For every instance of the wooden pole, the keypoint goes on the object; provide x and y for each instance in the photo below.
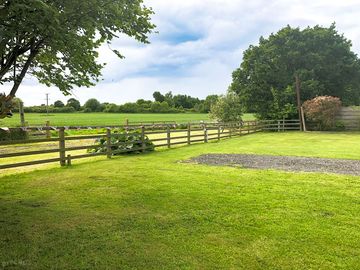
(22, 114)
(189, 134)
(303, 118)
(108, 143)
(69, 160)
(62, 146)
(219, 130)
(143, 144)
(168, 136)
(205, 134)
(48, 134)
(298, 99)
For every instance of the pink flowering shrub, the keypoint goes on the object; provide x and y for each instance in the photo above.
(322, 111)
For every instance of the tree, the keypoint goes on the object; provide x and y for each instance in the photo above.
(57, 41)
(158, 96)
(169, 98)
(209, 101)
(184, 101)
(92, 105)
(228, 108)
(59, 104)
(74, 103)
(320, 57)
(111, 108)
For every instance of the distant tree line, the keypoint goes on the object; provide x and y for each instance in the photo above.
(162, 103)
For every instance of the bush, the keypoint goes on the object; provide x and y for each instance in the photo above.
(51, 109)
(322, 110)
(14, 134)
(227, 108)
(129, 142)
(339, 126)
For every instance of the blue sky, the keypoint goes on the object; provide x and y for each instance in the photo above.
(199, 44)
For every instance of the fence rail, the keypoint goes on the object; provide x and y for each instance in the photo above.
(66, 148)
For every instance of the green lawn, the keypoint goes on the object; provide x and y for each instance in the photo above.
(102, 119)
(153, 212)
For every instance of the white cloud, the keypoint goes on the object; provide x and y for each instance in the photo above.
(199, 44)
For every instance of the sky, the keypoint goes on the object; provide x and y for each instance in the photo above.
(198, 45)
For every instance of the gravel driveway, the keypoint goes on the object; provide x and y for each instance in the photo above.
(286, 163)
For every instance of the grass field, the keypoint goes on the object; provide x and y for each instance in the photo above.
(153, 212)
(102, 119)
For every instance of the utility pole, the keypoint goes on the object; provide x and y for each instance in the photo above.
(22, 115)
(298, 99)
(47, 104)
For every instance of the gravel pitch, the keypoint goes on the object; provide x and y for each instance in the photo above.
(293, 164)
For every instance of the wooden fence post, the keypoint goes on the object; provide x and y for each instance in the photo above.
(230, 130)
(189, 134)
(48, 133)
(283, 125)
(205, 134)
(168, 136)
(219, 130)
(143, 144)
(248, 126)
(62, 146)
(108, 143)
(69, 160)
(278, 125)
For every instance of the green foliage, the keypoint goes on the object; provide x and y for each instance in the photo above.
(158, 96)
(16, 104)
(339, 126)
(228, 108)
(92, 105)
(130, 142)
(13, 134)
(321, 57)
(74, 103)
(59, 104)
(50, 109)
(58, 41)
(323, 110)
(208, 102)
(111, 108)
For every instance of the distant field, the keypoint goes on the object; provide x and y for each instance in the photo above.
(102, 119)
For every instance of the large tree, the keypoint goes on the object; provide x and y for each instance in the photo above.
(319, 56)
(57, 41)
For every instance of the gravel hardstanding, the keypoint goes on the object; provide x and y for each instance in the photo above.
(286, 163)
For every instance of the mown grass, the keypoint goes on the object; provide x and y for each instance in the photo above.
(102, 119)
(154, 212)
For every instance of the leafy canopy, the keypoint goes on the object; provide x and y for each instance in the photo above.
(321, 57)
(57, 40)
(227, 108)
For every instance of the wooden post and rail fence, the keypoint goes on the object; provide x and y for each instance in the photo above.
(64, 149)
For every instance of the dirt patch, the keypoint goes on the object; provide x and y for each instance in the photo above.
(286, 163)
